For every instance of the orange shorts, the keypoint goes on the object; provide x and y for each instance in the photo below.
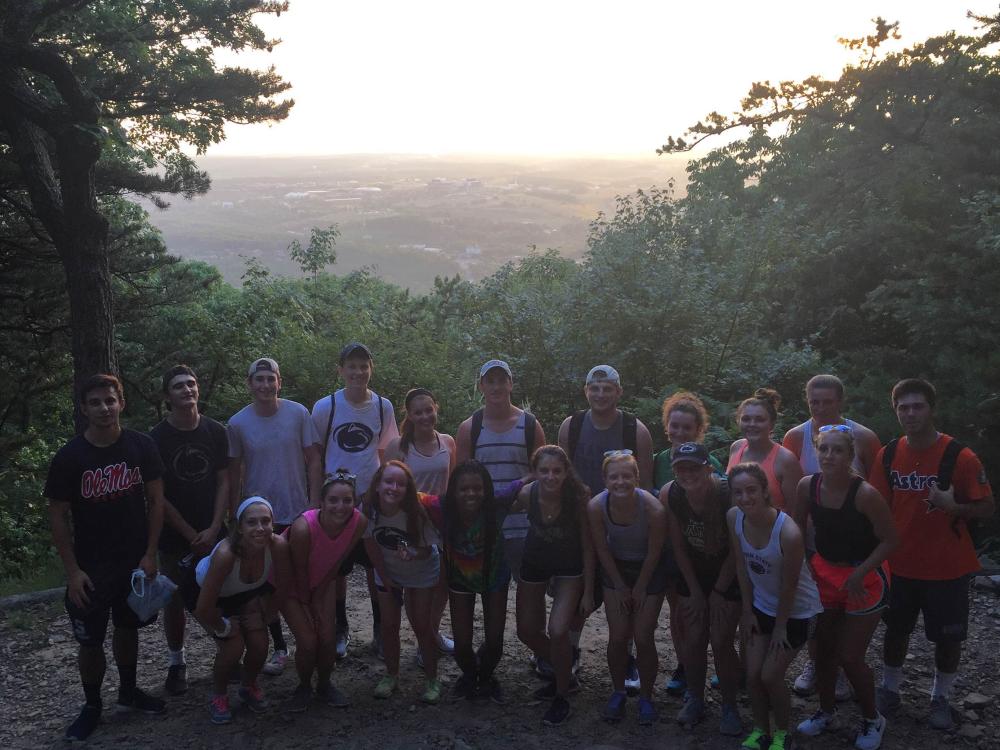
(830, 581)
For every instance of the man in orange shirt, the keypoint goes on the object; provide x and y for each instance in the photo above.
(933, 490)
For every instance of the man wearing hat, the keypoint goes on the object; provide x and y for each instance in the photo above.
(273, 453)
(354, 425)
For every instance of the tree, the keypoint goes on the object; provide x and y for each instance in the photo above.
(98, 97)
(319, 253)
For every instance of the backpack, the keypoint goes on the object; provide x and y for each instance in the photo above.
(529, 432)
(946, 470)
(629, 429)
(329, 423)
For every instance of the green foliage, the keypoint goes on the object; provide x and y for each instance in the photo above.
(319, 253)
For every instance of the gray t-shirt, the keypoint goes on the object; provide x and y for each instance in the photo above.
(591, 447)
(356, 435)
(271, 449)
(388, 532)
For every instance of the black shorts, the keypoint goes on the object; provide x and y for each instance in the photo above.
(108, 599)
(540, 572)
(798, 631)
(630, 570)
(233, 606)
(944, 605)
(707, 584)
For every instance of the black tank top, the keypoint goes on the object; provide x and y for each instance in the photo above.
(556, 544)
(706, 536)
(843, 535)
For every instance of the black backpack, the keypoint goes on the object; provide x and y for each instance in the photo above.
(629, 430)
(529, 432)
(329, 423)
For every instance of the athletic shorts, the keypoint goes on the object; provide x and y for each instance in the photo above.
(501, 583)
(630, 569)
(706, 582)
(108, 599)
(830, 579)
(798, 631)
(944, 604)
(537, 572)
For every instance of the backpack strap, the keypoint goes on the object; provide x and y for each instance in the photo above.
(888, 454)
(575, 428)
(329, 428)
(529, 433)
(630, 430)
(381, 416)
(475, 430)
(946, 469)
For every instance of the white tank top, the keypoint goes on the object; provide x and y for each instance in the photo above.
(429, 472)
(232, 584)
(764, 567)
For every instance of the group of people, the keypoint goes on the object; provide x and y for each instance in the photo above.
(805, 543)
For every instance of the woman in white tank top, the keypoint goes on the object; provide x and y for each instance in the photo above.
(430, 455)
(780, 599)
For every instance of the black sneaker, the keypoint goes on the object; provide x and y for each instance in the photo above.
(464, 687)
(84, 725)
(142, 702)
(549, 691)
(331, 695)
(176, 683)
(558, 712)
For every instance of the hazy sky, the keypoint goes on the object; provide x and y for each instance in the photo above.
(546, 76)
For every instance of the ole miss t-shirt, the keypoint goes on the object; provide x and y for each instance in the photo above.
(106, 490)
(932, 545)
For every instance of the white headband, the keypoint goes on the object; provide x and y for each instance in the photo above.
(250, 501)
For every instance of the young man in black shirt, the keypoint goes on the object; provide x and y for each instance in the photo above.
(109, 480)
(194, 450)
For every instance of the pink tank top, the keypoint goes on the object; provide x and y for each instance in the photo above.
(777, 496)
(325, 552)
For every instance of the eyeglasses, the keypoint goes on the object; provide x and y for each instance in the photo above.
(835, 428)
(617, 453)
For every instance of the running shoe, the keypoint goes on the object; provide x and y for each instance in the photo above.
(176, 683)
(432, 692)
(219, 708)
(277, 663)
(843, 691)
(692, 712)
(343, 640)
(714, 682)
(558, 712)
(445, 644)
(253, 698)
(386, 686)
(870, 734)
(818, 723)
(631, 676)
(730, 723)
(85, 724)
(142, 702)
(887, 701)
(781, 740)
(805, 683)
(331, 695)
(941, 716)
(677, 683)
(615, 710)
(464, 687)
(300, 699)
(647, 713)
(549, 691)
(756, 740)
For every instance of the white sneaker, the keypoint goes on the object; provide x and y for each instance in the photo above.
(843, 691)
(870, 735)
(805, 683)
(818, 723)
(277, 663)
(445, 644)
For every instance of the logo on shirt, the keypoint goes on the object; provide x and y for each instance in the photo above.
(757, 564)
(389, 537)
(108, 482)
(353, 437)
(190, 463)
(914, 482)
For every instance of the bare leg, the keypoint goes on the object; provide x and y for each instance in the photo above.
(644, 631)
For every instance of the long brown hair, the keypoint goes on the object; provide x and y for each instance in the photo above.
(406, 428)
(573, 487)
(416, 516)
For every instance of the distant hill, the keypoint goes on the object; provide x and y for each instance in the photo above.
(409, 217)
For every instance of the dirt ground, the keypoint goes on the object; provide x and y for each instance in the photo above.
(40, 694)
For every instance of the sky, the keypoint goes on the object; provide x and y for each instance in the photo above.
(545, 77)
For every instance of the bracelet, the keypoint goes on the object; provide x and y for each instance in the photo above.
(227, 629)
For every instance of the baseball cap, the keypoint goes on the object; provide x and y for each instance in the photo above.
(355, 347)
(494, 363)
(604, 372)
(693, 452)
(264, 364)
